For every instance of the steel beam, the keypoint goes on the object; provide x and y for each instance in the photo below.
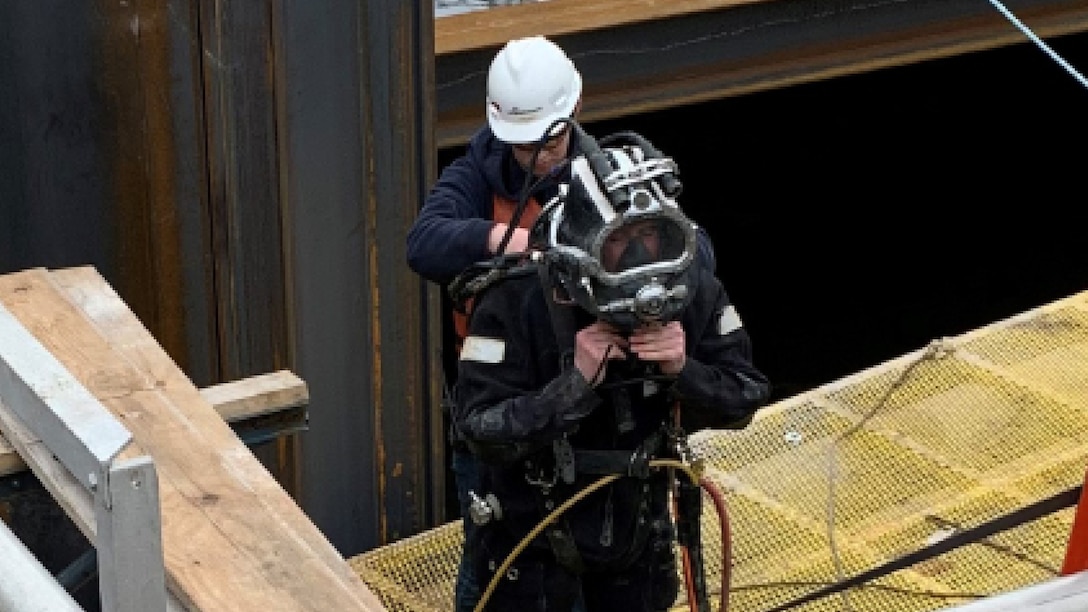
(130, 554)
(638, 66)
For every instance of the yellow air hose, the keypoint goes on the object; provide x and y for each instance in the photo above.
(554, 514)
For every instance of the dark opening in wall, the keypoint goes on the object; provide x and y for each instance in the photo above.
(857, 219)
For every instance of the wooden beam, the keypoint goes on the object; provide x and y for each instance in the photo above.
(234, 401)
(650, 58)
(493, 27)
(232, 537)
(257, 395)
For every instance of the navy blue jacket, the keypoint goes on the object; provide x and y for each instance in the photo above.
(450, 233)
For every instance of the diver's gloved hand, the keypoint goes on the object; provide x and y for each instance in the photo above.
(594, 345)
(661, 344)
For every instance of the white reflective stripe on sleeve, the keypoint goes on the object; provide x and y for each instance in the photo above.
(730, 320)
(484, 350)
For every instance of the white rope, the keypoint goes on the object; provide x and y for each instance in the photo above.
(1038, 41)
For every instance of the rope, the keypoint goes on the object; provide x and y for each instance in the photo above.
(1039, 42)
(936, 350)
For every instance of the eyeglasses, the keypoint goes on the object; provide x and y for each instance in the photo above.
(550, 145)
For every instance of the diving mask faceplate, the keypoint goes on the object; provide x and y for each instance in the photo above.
(620, 244)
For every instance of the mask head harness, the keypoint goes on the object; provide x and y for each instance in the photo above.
(614, 237)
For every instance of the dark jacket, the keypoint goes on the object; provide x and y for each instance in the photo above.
(514, 399)
(450, 233)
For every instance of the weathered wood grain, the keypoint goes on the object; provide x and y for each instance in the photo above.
(232, 537)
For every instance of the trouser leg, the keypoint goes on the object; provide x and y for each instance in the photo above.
(466, 591)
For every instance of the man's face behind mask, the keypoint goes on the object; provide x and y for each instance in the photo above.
(618, 243)
(631, 246)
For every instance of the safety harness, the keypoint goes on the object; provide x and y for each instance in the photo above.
(554, 474)
(547, 470)
(463, 290)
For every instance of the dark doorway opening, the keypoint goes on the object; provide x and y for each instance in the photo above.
(857, 219)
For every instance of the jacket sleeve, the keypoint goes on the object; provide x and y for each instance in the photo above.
(720, 386)
(451, 230)
(705, 249)
(509, 399)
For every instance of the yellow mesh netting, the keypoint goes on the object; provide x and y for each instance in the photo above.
(860, 472)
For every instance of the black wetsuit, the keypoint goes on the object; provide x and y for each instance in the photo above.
(525, 414)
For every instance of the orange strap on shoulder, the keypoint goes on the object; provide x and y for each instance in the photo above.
(502, 211)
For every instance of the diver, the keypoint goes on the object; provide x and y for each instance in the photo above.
(590, 361)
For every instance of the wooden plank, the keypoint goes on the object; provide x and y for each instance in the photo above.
(125, 332)
(100, 302)
(10, 462)
(257, 395)
(88, 290)
(221, 556)
(73, 498)
(495, 26)
(234, 401)
(232, 538)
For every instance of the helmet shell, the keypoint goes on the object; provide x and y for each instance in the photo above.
(531, 84)
(591, 211)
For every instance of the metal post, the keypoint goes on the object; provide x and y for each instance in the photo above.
(130, 561)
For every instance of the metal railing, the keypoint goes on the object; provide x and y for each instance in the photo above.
(43, 405)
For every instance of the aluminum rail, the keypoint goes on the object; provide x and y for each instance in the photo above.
(86, 438)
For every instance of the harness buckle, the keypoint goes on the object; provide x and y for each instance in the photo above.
(482, 510)
(639, 465)
(564, 460)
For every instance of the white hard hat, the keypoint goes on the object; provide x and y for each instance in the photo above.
(530, 84)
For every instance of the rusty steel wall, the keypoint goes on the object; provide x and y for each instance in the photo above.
(355, 160)
(244, 175)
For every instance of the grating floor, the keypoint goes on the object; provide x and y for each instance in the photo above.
(847, 477)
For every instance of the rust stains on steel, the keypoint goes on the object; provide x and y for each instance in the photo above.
(381, 454)
(133, 48)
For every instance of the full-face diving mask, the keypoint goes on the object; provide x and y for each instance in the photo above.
(615, 237)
